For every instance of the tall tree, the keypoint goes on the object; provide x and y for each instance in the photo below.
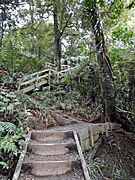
(57, 37)
(31, 9)
(8, 16)
(108, 99)
(8, 19)
(61, 12)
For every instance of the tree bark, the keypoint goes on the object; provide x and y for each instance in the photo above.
(131, 79)
(2, 14)
(1, 35)
(31, 3)
(109, 109)
(57, 36)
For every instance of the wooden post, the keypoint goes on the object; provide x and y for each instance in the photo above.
(106, 129)
(91, 137)
(49, 80)
(19, 86)
(110, 127)
(58, 76)
(37, 77)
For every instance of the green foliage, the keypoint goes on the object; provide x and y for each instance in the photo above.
(9, 101)
(85, 79)
(119, 173)
(94, 168)
(16, 53)
(123, 34)
(27, 48)
(90, 3)
(10, 137)
(62, 106)
(7, 127)
(131, 5)
(122, 63)
(11, 128)
(9, 55)
(10, 107)
(4, 165)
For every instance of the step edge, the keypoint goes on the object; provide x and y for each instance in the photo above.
(51, 144)
(45, 162)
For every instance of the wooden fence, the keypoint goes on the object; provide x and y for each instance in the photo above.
(89, 135)
(44, 77)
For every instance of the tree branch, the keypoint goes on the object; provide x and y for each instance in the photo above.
(66, 25)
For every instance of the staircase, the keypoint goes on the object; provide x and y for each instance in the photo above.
(56, 154)
(51, 155)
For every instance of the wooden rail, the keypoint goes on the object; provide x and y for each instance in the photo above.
(54, 67)
(35, 80)
(89, 135)
(44, 77)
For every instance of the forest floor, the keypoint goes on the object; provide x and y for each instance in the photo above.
(115, 158)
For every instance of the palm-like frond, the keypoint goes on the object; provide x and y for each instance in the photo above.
(7, 127)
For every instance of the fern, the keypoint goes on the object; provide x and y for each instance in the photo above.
(7, 127)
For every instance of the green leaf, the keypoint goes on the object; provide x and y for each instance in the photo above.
(10, 107)
(7, 127)
(4, 165)
(62, 106)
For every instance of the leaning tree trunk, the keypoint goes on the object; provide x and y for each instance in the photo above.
(57, 36)
(104, 63)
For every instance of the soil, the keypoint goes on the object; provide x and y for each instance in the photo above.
(115, 158)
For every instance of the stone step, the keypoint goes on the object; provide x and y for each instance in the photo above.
(51, 149)
(50, 135)
(68, 140)
(47, 168)
(75, 174)
(72, 156)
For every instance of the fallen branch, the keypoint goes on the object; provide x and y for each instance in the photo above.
(123, 111)
(124, 121)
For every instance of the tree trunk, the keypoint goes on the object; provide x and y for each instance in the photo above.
(1, 29)
(39, 53)
(1, 36)
(131, 79)
(57, 36)
(109, 109)
(31, 3)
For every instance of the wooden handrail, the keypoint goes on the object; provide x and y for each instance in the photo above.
(32, 80)
(36, 78)
(39, 72)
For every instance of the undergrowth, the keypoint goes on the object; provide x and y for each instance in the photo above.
(12, 130)
(114, 159)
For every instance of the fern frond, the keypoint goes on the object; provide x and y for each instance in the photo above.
(7, 127)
